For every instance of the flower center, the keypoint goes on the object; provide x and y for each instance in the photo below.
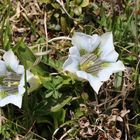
(90, 63)
(9, 84)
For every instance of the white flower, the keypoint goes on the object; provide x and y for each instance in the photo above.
(93, 58)
(12, 80)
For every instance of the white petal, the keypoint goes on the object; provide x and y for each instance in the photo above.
(29, 75)
(106, 46)
(71, 65)
(105, 73)
(11, 60)
(13, 99)
(3, 69)
(34, 82)
(86, 42)
(94, 81)
(22, 81)
(20, 69)
(74, 53)
(21, 90)
(95, 41)
(112, 57)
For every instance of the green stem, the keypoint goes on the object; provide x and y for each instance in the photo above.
(26, 103)
(55, 122)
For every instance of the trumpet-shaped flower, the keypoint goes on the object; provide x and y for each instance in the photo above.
(12, 80)
(93, 58)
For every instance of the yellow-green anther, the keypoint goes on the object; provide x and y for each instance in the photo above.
(3, 94)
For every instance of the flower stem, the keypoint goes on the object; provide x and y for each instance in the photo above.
(26, 103)
(96, 98)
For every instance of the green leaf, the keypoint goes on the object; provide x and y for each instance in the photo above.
(56, 64)
(7, 33)
(63, 24)
(28, 59)
(118, 80)
(84, 3)
(57, 94)
(54, 83)
(47, 83)
(62, 104)
(78, 2)
(59, 116)
(78, 113)
(49, 94)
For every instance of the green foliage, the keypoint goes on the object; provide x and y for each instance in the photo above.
(54, 110)
(7, 131)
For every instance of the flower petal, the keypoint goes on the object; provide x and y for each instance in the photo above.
(70, 65)
(94, 81)
(21, 90)
(106, 46)
(112, 57)
(20, 69)
(11, 60)
(3, 69)
(86, 42)
(34, 82)
(74, 53)
(13, 99)
(105, 73)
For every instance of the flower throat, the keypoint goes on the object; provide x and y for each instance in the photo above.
(9, 84)
(90, 63)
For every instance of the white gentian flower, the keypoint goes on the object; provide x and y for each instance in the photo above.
(12, 80)
(93, 58)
